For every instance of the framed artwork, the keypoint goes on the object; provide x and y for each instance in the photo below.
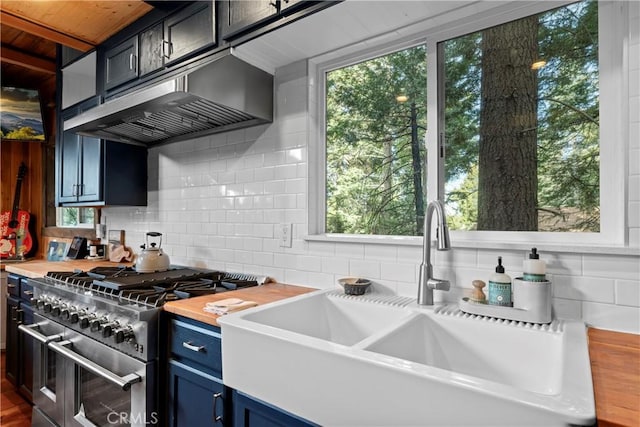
(21, 115)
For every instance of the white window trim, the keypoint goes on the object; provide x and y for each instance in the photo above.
(614, 119)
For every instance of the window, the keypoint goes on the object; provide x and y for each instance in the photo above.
(521, 124)
(75, 217)
(375, 117)
(570, 107)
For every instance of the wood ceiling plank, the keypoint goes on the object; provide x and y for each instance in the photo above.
(44, 32)
(16, 57)
(90, 21)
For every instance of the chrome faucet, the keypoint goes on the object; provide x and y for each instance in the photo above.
(427, 283)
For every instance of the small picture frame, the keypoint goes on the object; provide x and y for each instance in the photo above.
(56, 251)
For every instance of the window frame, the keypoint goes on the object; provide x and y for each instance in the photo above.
(614, 119)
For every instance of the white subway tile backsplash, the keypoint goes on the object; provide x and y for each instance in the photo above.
(380, 252)
(399, 272)
(309, 263)
(335, 265)
(361, 268)
(584, 288)
(567, 309)
(628, 292)
(611, 266)
(610, 316)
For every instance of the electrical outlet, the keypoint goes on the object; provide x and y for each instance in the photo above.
(285, 232)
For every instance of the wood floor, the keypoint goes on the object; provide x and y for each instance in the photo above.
(14, 410)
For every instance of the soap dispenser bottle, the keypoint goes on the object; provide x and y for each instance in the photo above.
(500, 287)
(534, 268)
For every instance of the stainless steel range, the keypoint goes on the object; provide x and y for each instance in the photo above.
(97, 347)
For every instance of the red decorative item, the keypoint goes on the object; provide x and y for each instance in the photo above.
(16, 241)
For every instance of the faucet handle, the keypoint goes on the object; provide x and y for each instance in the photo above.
(439, 284)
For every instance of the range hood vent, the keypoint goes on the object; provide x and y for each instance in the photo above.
(223, 94)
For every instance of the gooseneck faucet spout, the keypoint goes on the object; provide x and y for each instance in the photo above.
(427, 283)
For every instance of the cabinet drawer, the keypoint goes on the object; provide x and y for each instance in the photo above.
(197, 344)
(13, 285)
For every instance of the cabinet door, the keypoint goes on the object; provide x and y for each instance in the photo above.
(121, 63)
(250, 412)
(196, 398)
(79, 80)
(244, 15)
(14, 316)
(69, 158)
(189, 30)
(90, 170)
(25, 378)
(151, 49)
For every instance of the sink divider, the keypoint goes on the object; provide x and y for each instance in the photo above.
(384, 332)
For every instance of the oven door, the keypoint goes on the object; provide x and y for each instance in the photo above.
(48, 368)
(104, 386)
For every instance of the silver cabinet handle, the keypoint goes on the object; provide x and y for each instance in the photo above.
(31, 331)
(132, 62)
(216, 417)
(167, 52)
(198, 349)
(28, 293)
(124, 382)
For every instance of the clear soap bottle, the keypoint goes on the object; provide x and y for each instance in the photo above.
(533, 268)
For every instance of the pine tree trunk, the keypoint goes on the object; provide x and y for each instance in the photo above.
(507, 197)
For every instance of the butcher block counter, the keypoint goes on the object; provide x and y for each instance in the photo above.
(615, 368)
(264, 294)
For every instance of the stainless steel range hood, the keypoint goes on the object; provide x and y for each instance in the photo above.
(223, 94)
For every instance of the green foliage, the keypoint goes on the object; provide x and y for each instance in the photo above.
(24, 133)
(369, 171)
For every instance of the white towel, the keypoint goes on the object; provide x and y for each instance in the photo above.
(228, 305)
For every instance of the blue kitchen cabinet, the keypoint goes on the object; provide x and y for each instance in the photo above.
(19, 359)
(197, 396)
(251, 412)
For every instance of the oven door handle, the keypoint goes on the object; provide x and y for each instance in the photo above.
(44, 339)
(124, 382)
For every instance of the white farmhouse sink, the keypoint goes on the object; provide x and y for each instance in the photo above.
(360, 361)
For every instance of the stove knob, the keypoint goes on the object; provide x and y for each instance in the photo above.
(47, 307)
(96, 324)
(107, 330)
(73, 318)
(84, 322)
(123, 334)
(68, 313)
(55, 310)
(40, 304)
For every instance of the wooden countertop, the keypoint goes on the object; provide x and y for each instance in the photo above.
(615, 368)
(38, 268)
(270, 292)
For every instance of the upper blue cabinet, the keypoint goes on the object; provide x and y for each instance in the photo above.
(183, 33)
